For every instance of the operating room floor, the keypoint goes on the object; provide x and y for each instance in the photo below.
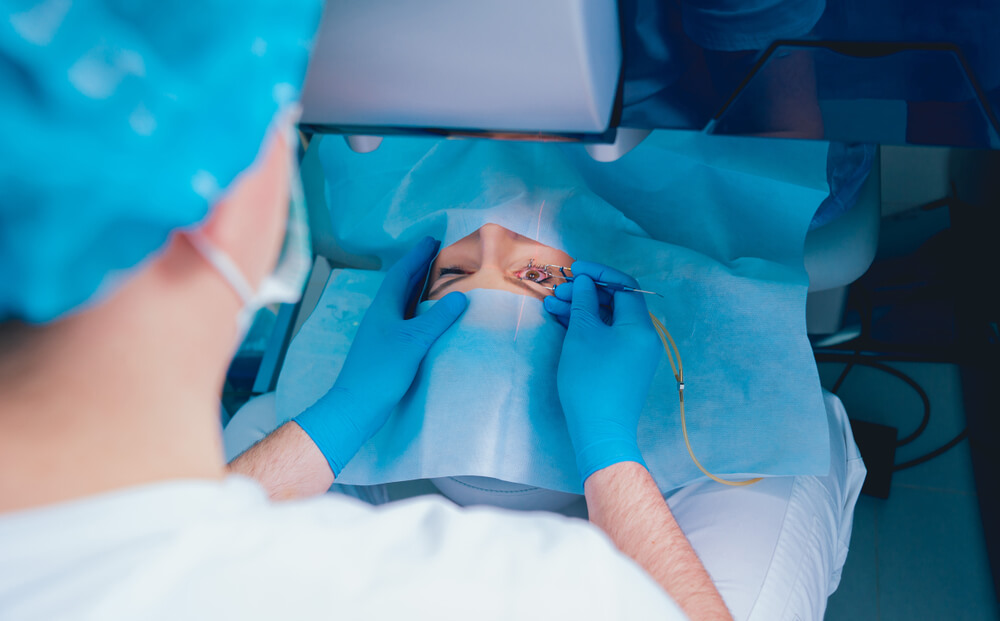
(920, 554)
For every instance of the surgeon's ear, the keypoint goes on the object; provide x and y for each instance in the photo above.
(248, 223)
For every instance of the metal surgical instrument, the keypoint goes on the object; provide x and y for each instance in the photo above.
(607, 285)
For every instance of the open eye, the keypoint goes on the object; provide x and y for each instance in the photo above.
(533, 273)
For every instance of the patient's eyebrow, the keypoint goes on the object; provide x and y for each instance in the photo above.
(445, 285)
(517, 282)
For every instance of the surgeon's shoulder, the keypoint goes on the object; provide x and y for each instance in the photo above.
(457, 562)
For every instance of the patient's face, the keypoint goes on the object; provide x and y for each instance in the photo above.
(493, 258)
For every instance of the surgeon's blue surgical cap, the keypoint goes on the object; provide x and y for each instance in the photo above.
(123, 120)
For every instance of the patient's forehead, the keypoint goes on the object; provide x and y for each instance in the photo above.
(496, 232)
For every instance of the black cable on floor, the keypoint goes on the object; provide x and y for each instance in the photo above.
(935, 453)
(843, 376)
(858, 360)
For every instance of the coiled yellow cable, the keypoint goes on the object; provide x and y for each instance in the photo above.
(678, 369)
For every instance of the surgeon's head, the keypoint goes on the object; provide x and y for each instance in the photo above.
(136, 145)
(118, 132)
(153, 147)
(494, 257)
(176, 290)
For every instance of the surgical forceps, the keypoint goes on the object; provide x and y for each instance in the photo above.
(544, 269)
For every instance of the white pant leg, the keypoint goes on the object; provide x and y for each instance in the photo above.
(257, 418)
(775, 549)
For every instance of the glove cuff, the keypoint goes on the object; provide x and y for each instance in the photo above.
(328, 423)
(603, 453)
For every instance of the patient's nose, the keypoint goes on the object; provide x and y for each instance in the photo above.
(496, 242)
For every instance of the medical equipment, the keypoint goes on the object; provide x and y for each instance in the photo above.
(534, 273)
(608, 72)
(512, 68)
(677, 366)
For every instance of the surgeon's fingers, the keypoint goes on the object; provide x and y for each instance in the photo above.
(584, 300)
(603, 273)
(426, 328)
(565, 292)
(630, 309)
(406, 274)
(559, 308)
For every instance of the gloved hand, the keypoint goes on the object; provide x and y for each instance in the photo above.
(382, 361)
(560, 305)
(605, 369)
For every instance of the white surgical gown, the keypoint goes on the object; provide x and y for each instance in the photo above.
(221, 550)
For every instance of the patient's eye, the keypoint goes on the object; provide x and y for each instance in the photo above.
(533, 273)
(446, 271)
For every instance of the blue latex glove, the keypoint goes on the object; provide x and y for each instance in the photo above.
(382, 361)
(561, 304)
(605, 369)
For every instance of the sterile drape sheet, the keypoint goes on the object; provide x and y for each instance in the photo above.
(716, 225)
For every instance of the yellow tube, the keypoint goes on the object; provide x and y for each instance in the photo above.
(678, 369)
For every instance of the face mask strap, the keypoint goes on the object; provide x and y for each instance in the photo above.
(284, 284)
(224, 265)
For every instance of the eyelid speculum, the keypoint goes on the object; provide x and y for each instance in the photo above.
(562, 270)
(541, 273)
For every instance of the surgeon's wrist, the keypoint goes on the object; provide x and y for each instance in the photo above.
(599, 454)
(331, 427)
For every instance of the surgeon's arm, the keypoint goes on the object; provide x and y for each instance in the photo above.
(605, 372)
(305, 456)
(287, 464)
(625, 502)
